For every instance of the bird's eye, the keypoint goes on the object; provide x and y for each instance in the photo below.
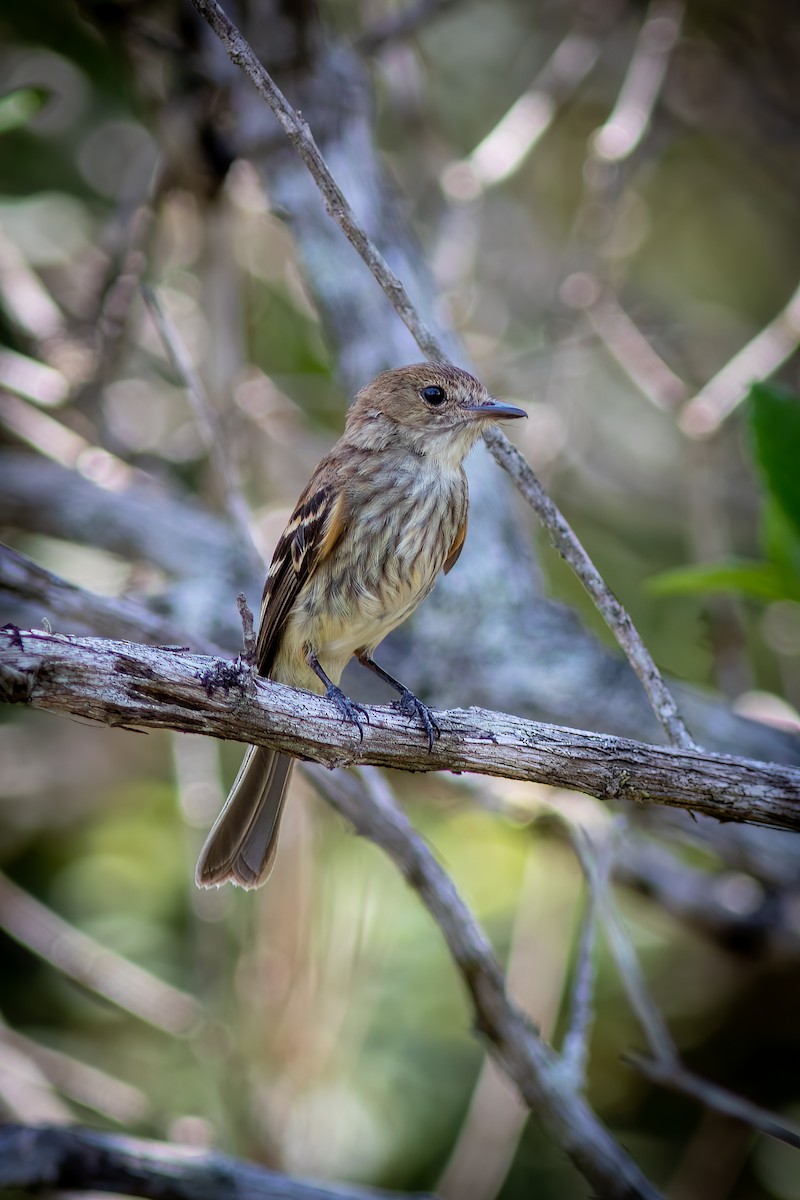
(433, 396)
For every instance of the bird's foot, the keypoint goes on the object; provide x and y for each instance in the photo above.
(350, 709)
(414, 708)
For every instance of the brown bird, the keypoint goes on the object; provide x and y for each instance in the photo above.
(384, 512)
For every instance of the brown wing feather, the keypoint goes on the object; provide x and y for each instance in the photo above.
(313, 530)
(456, 547)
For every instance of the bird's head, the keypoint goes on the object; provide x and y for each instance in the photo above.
(430, 408)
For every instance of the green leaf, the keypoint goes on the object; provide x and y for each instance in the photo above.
(775, 427)
(779, 540)
(19, 107)
(742, 577)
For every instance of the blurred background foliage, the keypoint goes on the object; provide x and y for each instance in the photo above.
(318, 1025)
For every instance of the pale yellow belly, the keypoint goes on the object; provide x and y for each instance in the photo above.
(336, 632)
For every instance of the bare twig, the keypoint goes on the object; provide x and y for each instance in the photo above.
(664, 1066)
(46, 386)
(122, 683)
(626, 343)
(507, 146)
(25, 1091)
(676, 1078)
(248, 629)
(61, 444)
(85, 1084)
(25, 298)
(48, 1157)
(513, 1042)
(575, 1046)
(505, 454)
(615, 615)
(127, 265)
(299, 134)
(79, 956)
(628, 122)
(759, 359)
(650, 1019)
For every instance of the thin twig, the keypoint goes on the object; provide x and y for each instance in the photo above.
(628, 121)
(648, 1015)
(615, 615)
(79, 956)
(508, 145)
(206, 418)
(25, 299)
(664, 1066)
(61, 444)
(25, 1091)
(301, 137)
(34, 380)
(676, 1078)
(248, 629)
(504, 452)
(759, 359)
(83, 1083)
(575, 1046)
(629, 347)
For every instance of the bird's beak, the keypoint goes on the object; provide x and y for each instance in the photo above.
(495, 410)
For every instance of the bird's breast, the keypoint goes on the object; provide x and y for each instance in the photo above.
(399, 534)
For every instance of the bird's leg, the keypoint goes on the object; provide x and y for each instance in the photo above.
(408, 702)
(350, 710)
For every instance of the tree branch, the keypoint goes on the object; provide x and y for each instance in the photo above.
(78, 956)
(199, 553)
(513, 1042)
(556, 672)
(33, 586)
(664, 1066)
(123, 683)
(86, 1160)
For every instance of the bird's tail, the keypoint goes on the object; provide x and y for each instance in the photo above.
(242, 844)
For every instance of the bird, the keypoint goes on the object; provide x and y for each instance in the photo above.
(384, 512)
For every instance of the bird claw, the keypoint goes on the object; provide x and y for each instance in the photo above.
(414, 708)
(351, 710)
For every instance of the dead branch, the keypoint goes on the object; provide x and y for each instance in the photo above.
(123, 683)
(47, 1157)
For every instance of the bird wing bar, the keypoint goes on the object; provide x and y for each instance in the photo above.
(314, 528)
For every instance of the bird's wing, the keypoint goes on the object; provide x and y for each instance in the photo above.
(456, 547)
(314, 528)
